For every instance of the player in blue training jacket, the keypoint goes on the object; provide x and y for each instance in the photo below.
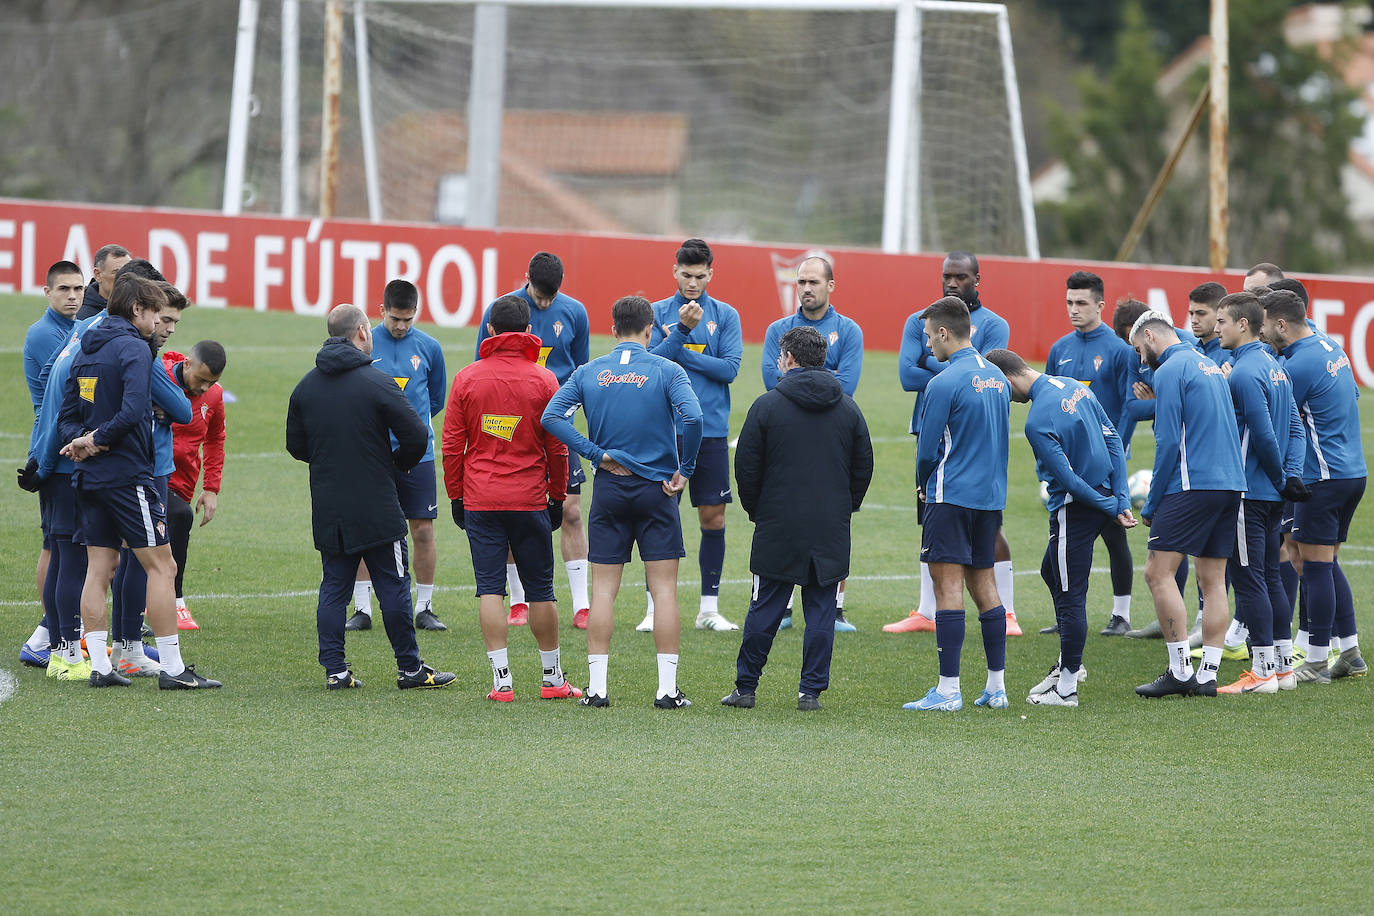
(1334, 470)
(1272, 445)
(560, 323)
(634, 402)
(1093, 355)
(415, 361)
(844, 356)
(961, 474)
(702, 335)
(1079, 455)
(916, 366)
(1203, 302)
(107, 417)
(1140, 395)
(1194, 499)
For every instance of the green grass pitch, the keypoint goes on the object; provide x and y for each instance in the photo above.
(275, 795)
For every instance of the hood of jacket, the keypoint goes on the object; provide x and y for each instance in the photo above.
(110, 329)
(511, 343)
(340, 355)
(814, 388)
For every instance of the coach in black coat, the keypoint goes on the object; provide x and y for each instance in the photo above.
(802, 466)
(340, 420)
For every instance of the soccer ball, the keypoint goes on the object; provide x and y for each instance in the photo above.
(1138, 485)
(1045, 494)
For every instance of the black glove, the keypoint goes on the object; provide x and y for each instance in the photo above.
(458, 518)
(555, 514)
(1294, 490)
(28, 477)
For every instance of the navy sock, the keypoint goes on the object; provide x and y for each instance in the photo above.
(1181, 577)
(711, 559)
(1321, 600)
(1303, 622)
(50, 593)
(949, 640)
(994, 626)
(1344, 622)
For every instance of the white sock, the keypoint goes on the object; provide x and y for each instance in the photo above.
(181, 603)
(1236, 633)
(1263, 661)
(948, 686)
(95, 644)
(1301, 641)
(1068, 682)
(596, 674)
(709, 605)
(1283, 650)
(1316, 655)
(648, 604)
(1180, 661)
(553, 667)
(424, 597)
(71, 651)
(169, 654)
(517, 588)
(839, 596)
(927, 607)
(1347, 642)
(362, 601)
(500, 669)
(1121, 607)
(39, 639)
(1211, 664)
(133, 650)
(1002, 575)
(996, 680)
(577, 583)
(667, 674)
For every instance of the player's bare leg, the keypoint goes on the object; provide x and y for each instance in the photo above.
(572, 543)
(600, 624)
(661, 576)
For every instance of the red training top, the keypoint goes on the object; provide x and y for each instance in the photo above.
(206, 428)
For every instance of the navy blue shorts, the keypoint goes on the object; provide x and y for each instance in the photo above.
(630, 510)
(61, 505)
(527, 535)
(133, 514)
(1325, 518)
(953, 534)
(1286, 517)
(709, 484)
(417, 491)
(576, 475)
(1196, 523)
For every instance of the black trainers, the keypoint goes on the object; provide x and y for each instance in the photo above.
(113, 679)
(359, 621)
(676, 701)
(1117, 626)
(1052, 628)
(426, 620)
(425, 677)
(808, 702)
(186, 680)
(1167, 685)
(592, 699)
(343, 681)
(740, 699)
(1204, 688)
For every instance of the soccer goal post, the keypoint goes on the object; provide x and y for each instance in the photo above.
(869, 122)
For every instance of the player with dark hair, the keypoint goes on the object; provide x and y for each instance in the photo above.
(634, 402)
(415, 361)
(560, 323)
(702, 334)
(1334, 469)
(1194, 498)
(507, 478)
(961, 474)
(109, 260)
(1080, 457)
(1202, 319)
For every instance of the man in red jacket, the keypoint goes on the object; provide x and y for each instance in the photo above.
(198, 375)
(507, 479)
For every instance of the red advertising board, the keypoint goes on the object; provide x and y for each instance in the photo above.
(308, 266)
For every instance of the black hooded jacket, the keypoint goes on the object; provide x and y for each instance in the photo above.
(339, 421)
(802, 466)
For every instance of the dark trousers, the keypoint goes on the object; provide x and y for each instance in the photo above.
(1118, 553)
(1066, 567)
(390, 580)
(766, 610)
(180, 519)
(1254, 572)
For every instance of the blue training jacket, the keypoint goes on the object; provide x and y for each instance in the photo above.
(1197, 445)
(1271, 438)
(634, 402)
(844, 347)
(416, 364)
(710, 353)
(1077, 451)
(108, 392)
(961, 455)
(43, 339)
(562, 327)
(1100, 360)
(917, 365)
(1327, 399)
(1135, 409)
